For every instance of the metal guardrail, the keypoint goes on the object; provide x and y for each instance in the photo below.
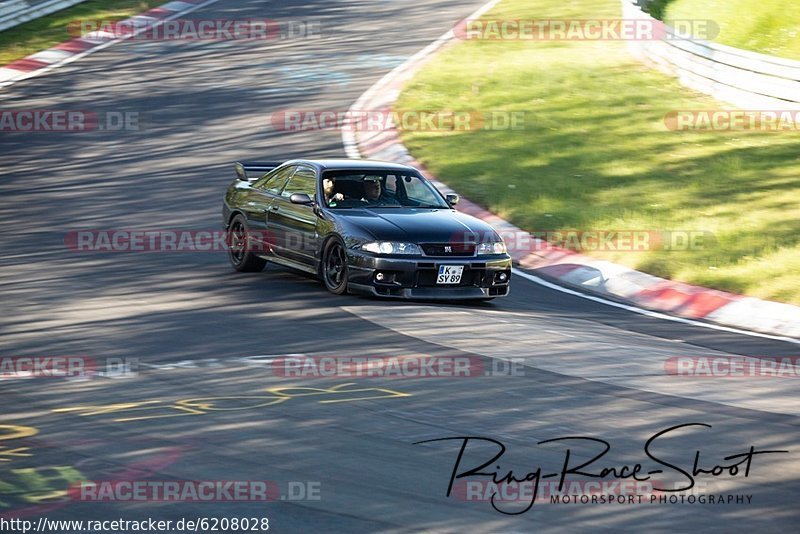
(746, 79)
(15, 12)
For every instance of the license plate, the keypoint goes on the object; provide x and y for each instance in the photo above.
(450, 274)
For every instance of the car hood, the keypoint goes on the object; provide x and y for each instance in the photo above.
(418, 225)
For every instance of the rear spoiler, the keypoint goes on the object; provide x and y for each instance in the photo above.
(247, 171)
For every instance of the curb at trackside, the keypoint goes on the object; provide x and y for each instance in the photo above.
(597, 280)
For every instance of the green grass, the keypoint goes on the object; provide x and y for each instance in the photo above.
(42, 33)
(766, 26)
(595, 154)
(657, 7)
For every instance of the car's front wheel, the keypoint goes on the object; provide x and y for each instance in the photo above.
(240, 249)
(334, 267)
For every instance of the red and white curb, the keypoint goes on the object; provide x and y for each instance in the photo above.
(74, 49)
(629, 289)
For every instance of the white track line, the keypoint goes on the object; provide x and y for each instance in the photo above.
(649, 313)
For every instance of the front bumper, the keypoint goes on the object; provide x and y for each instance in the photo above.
(415, 277)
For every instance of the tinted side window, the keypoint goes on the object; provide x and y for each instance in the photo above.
(303, 181)
(273, 181)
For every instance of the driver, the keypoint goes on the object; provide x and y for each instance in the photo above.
(374, 194)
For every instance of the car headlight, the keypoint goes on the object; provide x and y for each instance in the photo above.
(390, 247)
(498, 247)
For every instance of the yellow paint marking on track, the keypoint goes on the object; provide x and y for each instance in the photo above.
(32, 485)
(90, 410)
(19, 452)
(337, 390)
(208, 403)
(39, 485)
(203, 405)
(16, 432)
(95, 409)
(8, 432)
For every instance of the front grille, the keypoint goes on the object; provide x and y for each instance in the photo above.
(449, 249)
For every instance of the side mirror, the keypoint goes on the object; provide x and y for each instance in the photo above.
(241, 174)
(452, 199)
(300, 198)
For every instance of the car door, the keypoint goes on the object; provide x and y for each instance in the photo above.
(294, 226)
(258, 201)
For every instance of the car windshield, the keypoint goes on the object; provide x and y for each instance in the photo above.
(379, 189)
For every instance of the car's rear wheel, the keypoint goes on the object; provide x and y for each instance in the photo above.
(334, 267)
(240, 250)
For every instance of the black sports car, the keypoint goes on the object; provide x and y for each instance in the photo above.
(362, 226)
